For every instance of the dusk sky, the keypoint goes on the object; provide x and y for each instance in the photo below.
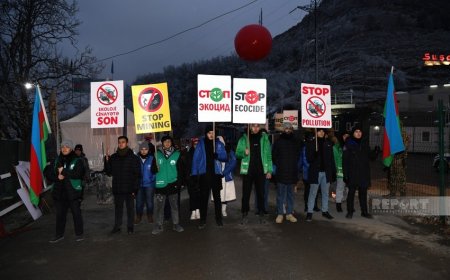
(116, 26)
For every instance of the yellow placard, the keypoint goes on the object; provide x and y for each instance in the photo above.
(151, 108)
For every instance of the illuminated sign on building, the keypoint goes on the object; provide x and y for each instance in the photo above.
(432, 59)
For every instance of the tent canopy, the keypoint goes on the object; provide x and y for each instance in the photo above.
(97, 141)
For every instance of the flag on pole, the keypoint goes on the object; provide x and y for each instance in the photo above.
(38, 158)
(392, 138)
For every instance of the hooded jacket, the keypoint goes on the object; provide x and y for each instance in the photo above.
(199, 158)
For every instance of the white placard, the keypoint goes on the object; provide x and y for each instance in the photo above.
(214, 98)
(107, 104)
(249, 100)
(316, 105)
(291, 116)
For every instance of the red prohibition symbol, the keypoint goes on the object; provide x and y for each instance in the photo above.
(107, 94)
(315, 107)
(151, 99)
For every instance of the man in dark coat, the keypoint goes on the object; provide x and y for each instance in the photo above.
(125, 168)
(285, 155)
(319, 154)
(356, 167)
(66, 174)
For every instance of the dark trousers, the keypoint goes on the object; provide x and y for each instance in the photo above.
(194, 197)
(119, 199)
(61, 214)
(247, 184)
(306, 195)
(362, 194)
(207, 185)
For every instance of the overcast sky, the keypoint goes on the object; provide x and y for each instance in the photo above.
(117, 26)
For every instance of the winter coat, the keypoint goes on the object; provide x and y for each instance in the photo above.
(70, 187)
(356, 165)
(148, 178)
(314, 161)
(285, 156)
(303, 164)
(126, 172)
(266, 153)
(199, 159)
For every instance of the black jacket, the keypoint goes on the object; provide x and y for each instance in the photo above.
(314, 159)
(63, 189)
(285, 155)
(126, 172)
(355, 163)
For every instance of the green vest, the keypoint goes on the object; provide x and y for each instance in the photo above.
(76, 183)
(337, 152)
(167, 172)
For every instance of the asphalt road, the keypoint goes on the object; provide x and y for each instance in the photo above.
(322, 249)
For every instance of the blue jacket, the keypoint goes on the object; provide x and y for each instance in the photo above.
(199, 159)
(229, 167)
(148, 178)
(303, 163)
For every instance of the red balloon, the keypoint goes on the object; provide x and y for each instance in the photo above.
(253, 42)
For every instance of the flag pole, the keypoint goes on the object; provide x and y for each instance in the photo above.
(392, 69)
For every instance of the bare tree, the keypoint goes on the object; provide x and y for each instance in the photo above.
(33, 35)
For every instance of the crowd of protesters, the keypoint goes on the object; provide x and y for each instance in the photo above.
(153, 178)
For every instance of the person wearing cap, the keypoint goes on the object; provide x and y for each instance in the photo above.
(319, 154)
(125, 168)
(193, 184)
(206, 164)
(356, 168)
(144, 197)
(285, 155)
(86, 176)
(169, 169)
(66, 174)
(256, 166)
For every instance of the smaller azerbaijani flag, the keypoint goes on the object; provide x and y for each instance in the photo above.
(38, 159)
(392, 136)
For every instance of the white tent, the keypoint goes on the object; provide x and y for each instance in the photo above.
(97, 141)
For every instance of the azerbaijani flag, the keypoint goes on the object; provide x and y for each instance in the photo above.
(38, 158)
(392, 138)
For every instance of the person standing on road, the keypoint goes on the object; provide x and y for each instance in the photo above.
(285, 155)
(169, 179)
(256, 166)
(147, 187)
(66, 174)
(207, 166)
(193, 184)
(319, 154)
(228, 192)
(125, 168)
(356, 169)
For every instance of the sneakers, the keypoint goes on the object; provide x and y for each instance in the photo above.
(327, 215)
(224, 210)
(157, 230)
(339, 207)
(349, 215)
(197, 214)
(202, 225)
(130, 230)
(279, 219)
(244, 219)
(366, 215)
(193, 216)
(291, 218)
(115, 230)
(178, 228)
(79, 238)
(219, 223)
(309, 217)
(56, 239)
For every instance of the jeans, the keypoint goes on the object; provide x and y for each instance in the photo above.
(119, 199)
(324, 188)
(340, 186)
(285, 195)
(160, 201)
(145, 198)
